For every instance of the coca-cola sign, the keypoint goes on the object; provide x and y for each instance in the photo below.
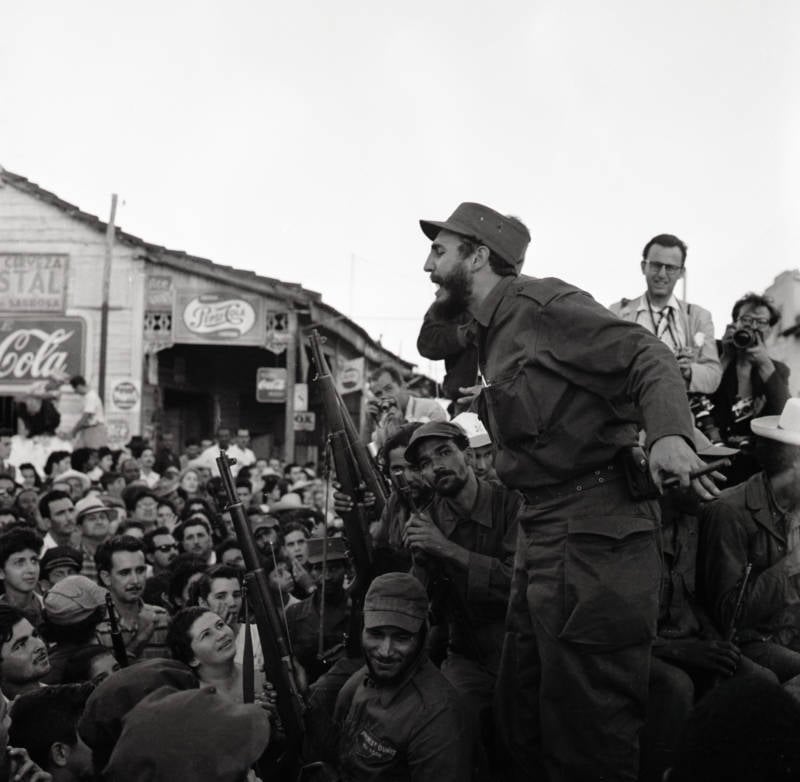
(210, 318)
(34, 348)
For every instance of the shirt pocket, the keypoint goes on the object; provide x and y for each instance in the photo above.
(509, 409)
(612, 570)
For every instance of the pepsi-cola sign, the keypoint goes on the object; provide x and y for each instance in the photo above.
(210, 318)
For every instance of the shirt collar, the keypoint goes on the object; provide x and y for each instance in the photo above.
(487, 307)
(673, 304)
(481, 513)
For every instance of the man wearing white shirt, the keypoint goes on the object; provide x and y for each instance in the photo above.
(58, 511)
(686, 329)
(208, 458)
(90, 431)
(240, 450)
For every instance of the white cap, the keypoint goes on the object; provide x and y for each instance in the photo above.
(475, 430)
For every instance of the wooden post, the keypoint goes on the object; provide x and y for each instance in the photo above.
(291, 371)
(109, 251)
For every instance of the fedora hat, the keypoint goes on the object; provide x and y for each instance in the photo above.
(785, 428)
(506, 237)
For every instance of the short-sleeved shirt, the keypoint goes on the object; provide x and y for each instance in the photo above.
(156, 646)
(93, 407)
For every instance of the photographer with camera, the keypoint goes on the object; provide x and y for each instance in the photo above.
(753, 384)
(394, 405)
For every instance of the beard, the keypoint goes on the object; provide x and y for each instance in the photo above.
(449, 484)
(457, 288)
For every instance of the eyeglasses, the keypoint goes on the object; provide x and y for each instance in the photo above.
(749, 320)
(165, 547)
(668, 268)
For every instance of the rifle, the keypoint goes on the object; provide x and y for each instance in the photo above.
(737, 609)
(277, 661)
(356, 474)
(117, 642)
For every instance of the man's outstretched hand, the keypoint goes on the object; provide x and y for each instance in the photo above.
(671, 456)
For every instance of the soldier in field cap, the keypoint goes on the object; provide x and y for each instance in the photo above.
(566, 385)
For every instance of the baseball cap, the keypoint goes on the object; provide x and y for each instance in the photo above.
(507, 238)
(446, 429)
(60, 556)
(73, 599)
(336, 550)
(262, 522)
(396, 600)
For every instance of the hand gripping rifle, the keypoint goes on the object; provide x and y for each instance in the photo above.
(277, 661)
(357, 474)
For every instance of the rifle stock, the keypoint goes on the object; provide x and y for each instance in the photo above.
(277, 660)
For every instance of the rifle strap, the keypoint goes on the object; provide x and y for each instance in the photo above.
(248, 663)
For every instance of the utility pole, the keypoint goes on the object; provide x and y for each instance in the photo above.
(291, 372)
(110, 231)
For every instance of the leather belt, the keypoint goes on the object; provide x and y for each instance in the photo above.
(590, 480)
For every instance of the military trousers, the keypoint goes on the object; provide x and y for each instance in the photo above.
(573, 685)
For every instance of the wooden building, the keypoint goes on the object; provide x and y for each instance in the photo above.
(191, 344)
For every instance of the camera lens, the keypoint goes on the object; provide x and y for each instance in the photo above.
(744, 338)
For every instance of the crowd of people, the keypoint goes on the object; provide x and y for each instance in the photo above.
(560, 588)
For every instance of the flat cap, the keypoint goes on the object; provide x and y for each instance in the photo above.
(73, 599)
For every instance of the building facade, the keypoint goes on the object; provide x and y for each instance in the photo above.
(191, 344)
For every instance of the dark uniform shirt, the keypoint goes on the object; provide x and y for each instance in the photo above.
(476, 612)
(412, 731)
(745, 525)
(564, 380)
(302, 620)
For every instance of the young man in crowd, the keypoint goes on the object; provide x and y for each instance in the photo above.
(57, 512)
(399, 717)
(464, 545)
(194, 537)
(58, 563)
(45, 722)
(121, 568)
(19, 571)
(161, 549)
(94, 522)
(23, 654)
(240, 449)
(303, 618)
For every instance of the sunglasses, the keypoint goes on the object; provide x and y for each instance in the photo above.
(165, 547)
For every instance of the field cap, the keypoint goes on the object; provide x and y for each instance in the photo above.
(446, 429)
(396, 600)
(336, 550)
(508, 239)
(73, 599)
(60, 556)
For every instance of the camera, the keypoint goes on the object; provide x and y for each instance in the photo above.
(387, 404)
(744, 338)
(702, 407)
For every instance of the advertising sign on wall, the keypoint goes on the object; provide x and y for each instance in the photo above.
(31, 282)
(218, 317)
(37, 348)
(350, 376)
(271, 384)
(124, 395)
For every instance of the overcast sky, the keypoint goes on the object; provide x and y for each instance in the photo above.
(303, 140)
